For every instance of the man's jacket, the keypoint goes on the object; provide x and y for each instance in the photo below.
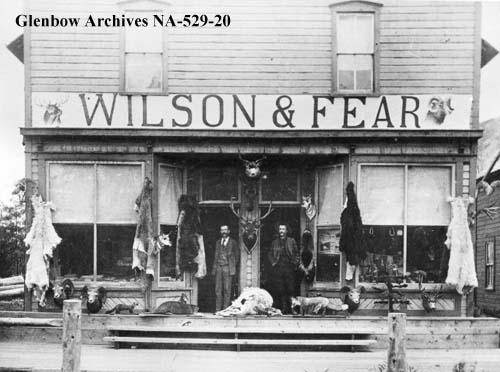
(291, 251)
(233, 255)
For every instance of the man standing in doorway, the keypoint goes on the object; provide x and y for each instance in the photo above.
(284, 259)
(226, 259)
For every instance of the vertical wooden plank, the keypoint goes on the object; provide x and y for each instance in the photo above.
(72, 335)
(396, 355)
(476, 81)
(27, 69)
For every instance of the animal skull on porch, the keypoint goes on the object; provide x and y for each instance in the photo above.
(250, 227)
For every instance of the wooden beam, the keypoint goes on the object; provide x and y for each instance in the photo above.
(72, 335)
(29, 322)
(396, 355)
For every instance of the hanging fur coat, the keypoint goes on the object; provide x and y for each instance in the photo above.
(188, 231)
(41, 240)
(144, 249)
(461, 269)
(351, 234)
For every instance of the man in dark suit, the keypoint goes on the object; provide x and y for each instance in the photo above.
(227, 256)
(284, 259)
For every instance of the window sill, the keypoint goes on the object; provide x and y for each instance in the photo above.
(355, 94)
(124, 93)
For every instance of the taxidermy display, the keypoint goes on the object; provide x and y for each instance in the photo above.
(351, 235)
(310, 304)
(189, 229)
(429, 300)
(41, 241)
(94, 298)
(252, 168)
(461, 266)
(252, 301)
(351, 297)
(180, 307)
(123, 307)
(307, 269)
(309, 207)
(62, 292)
(250, 227)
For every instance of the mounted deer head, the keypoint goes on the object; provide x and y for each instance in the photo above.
(252, 168)
(429, 300)
(250, 227)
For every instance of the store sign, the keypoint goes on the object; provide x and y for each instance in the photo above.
(250, 112)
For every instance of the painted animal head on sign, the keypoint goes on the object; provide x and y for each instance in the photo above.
(439, 108)
(252, 168)
(53, 112)
(429, 300)
(308, 206)
(251, 227)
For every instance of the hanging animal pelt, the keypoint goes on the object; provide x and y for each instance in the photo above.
(188, 231)
(307, 269)
(351, 235)
(144, 245)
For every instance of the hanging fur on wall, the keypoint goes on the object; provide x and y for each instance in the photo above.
(188, 231)
(144, 245)
(307, 268)
(351, 235)
(41, 240)
(461, 269)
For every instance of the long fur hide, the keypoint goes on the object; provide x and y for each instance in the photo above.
(351, 235)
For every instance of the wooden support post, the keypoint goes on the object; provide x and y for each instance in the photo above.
(396, 356)
(72, 335)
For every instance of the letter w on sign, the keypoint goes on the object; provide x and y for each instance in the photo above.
(100, 101)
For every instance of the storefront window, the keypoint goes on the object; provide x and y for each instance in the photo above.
(280, 184)
(405, 214)
(167, 255)
(328, 255)
(219, 184)
(90, 196)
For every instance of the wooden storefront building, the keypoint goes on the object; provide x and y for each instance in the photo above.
(383, 94)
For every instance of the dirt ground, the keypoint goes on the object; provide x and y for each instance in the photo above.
(16, 356)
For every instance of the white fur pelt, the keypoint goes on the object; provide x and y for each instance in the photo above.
(461, 269)
(200, 259)
(252, 301)
(41, 240)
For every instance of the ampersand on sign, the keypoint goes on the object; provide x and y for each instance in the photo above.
(286, 115)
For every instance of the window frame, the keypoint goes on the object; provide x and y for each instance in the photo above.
(489, 266)
(146, 7)
(406, 165)
(356, 7)
(93, 223)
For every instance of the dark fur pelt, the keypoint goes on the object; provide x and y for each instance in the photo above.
(306, 257)
(351, 235)
(189, 225)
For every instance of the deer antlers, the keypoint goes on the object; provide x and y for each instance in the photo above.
(246, 221)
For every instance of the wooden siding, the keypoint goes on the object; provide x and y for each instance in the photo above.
(487, 229)
(270, 47)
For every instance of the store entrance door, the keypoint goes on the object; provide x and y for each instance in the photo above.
(212, 217)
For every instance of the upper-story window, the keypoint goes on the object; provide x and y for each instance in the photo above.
(355, 51)
(143, 63)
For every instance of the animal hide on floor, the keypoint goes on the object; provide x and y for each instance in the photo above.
(144, 250)
(188, 232)
(252, 301)
(351, 234)
(461, 268)
(41, 240)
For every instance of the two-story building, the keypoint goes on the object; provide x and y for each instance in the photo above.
(383, 94)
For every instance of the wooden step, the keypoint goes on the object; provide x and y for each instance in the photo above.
(242, 330)
(232, 341)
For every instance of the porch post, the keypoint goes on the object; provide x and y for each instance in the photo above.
(396, 356)
(72, 335)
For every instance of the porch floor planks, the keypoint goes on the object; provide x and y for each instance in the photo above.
(45, 357)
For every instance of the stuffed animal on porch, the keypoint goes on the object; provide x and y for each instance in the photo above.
(351, 297)
(189, 228)
(94, 298)
(252, 301)
(61, 292)
(180, 307)
(310, 304)
(123, 307)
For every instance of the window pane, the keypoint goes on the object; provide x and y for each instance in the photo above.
(381, 195)
(170, 190)
(384, 245)
(118, 186)
(490, 249)
(219, 184)
(426, 251)
(143, 39)
(167, 255)
(428, 189)
(75, 254)
(280, 184)
(143, 72)
(364, 72)
(71, 189)
(355, 33)
(330, 191)
(114, 251)
(346, 66)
